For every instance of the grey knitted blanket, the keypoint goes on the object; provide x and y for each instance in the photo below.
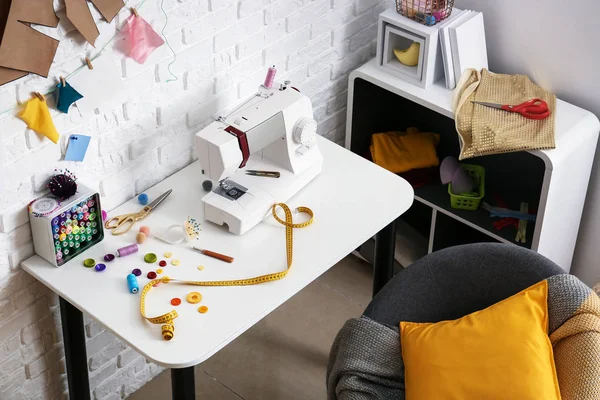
(365, 362)
(366, 358)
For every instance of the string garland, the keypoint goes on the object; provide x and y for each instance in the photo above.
(102, 50)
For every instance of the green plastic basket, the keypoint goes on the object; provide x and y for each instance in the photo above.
(462, 202)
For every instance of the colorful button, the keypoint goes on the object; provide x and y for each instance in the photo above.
(150, 258)
(159, 271)
(137, 272)
(89, 262)
(201, 267)
(168, 254)
(175, 301)
(151, 275)
(202, 309)
(175, 262)
(194, 297)
(162, 263)
(100, 267)
(109, 257)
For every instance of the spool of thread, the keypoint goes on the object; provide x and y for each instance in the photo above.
(127, 250)
(270, 78)
(132, 283)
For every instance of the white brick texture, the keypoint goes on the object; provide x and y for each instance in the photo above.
(223, 49)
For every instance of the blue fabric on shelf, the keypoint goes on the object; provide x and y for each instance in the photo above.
(65, 96)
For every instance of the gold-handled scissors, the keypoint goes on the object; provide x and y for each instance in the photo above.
(123, 223)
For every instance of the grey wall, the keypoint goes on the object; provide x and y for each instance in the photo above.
(556, 43)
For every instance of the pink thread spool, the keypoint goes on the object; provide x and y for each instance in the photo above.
(127, 250)
(270, 78)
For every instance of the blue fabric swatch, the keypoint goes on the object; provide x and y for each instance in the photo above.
(65, 96)
(78, 145)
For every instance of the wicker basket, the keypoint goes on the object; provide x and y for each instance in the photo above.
(462, 202)
(428, 12)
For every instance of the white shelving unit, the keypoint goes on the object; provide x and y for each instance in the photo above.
(559, 177)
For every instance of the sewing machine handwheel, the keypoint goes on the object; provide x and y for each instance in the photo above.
(305, 131)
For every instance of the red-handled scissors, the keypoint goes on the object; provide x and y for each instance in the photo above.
(531, 109)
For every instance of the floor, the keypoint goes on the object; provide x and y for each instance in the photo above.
(285, 355)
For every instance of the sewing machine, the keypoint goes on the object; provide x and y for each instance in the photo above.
(275, 131)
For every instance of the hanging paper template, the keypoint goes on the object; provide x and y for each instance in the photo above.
(80, 16)
(65, 96)
(22, 48)
(78, 145)
(37, 117)
(100, 85)
(141, 39)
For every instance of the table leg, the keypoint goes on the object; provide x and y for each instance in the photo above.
(75, 352)
(383, 260)
(182, 383)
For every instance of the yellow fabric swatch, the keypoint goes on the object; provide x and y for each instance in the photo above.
(501, 352)
(37, 117)
(400, 152)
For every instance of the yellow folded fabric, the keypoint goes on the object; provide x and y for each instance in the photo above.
(37, 117)
(400, 152)
(501, 352)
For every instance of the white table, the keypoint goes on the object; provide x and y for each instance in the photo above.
(353, 199)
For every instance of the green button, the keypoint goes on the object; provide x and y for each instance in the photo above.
(89, 263)
(150, 258)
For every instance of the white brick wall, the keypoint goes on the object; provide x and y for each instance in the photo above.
(223, 50)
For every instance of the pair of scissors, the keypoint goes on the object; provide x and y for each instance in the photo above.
(123, 223)
(531, 109)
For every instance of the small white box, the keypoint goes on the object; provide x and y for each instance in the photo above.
(397, 30)
(64, 229)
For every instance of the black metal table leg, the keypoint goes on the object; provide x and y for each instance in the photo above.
(75, 352)
(182, 383)
(383, 260)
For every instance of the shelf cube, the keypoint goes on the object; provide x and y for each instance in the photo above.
(398, 32)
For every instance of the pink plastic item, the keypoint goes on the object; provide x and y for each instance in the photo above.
(141, 39)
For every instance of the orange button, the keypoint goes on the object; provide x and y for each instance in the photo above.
(202, 309)
(175, 301)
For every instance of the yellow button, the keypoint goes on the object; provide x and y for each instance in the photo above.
(200, 267)
(202, 309)
(175, 262)
(168, 254)
(194, 297)
(159, 271)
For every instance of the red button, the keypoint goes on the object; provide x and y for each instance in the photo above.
(162, 263)
(175, 301)
(151, 275)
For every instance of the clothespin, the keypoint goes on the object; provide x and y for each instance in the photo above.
(39, 96)
(63, 82)
(134, 12)
(89, 63)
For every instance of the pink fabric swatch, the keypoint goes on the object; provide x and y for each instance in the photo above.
(141, 39)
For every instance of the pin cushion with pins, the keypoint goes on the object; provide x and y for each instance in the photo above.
(67, 221)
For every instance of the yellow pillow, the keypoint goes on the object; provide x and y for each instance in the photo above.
(501, 352)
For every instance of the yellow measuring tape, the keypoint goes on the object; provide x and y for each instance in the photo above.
(168, 329)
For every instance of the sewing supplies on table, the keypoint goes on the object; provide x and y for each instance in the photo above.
(132, 283)
(531, 109)
(188, 232)
(167, 319)
(268, 174)
(274, 130)
(127, 250)
(63, 228)
(123, 223)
